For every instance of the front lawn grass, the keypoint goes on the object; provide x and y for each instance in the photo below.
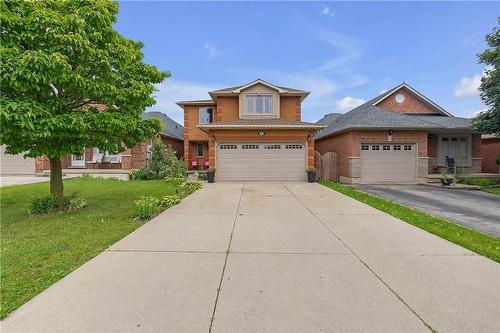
(37, 251)
(486, 245)
(491, 190)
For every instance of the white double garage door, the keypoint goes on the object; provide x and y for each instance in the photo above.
(15, 164)
(387, 163)
(236, 161)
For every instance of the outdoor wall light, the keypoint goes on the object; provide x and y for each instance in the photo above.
(390, 132)
(213, 138)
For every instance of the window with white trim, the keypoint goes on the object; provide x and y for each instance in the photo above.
(293, 146)
(456, 147)
(386, 147)
(375, 147)
(407, 147)
(205, 116)
(365, 147)
(200, 150)
(259, 104)
(396, 147)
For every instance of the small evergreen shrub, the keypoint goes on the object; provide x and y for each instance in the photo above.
(146, 207)
(157, 163)
(169, 201)
(140, 174)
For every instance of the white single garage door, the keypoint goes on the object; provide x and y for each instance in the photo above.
(388, 163)
(261, 161)
(16, 164)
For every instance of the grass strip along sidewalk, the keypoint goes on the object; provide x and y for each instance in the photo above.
(486, 245)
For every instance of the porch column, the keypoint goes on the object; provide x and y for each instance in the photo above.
(126, 158)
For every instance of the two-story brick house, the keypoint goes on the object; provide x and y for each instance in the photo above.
(249, 132)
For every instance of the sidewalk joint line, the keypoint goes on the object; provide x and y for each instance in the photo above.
(363, 262)
(225, 261)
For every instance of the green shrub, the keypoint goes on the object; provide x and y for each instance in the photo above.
(169, 201)
(146, 207)
(49, 204)
(157, 163)
(191, 186)
(483, 182)
(74, 202)
(140, 174)
(174, 168)
(202, 176)
(44, 205)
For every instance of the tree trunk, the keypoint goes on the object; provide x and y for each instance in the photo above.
(56, 181)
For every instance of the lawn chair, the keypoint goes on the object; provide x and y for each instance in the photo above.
(207, 164)
(451, 166)
(194, 164)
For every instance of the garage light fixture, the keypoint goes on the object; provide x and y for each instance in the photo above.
(390, 132)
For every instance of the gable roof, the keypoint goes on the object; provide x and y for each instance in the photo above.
(259, 123)
(383, 96)
(370, 116)
(237, 89)
(328, 118)
(170, 127)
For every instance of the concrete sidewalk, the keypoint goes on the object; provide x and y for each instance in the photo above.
(302, 258)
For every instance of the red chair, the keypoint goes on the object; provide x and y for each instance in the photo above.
(207, 164)
(194, 164)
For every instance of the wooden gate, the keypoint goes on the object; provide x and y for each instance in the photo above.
(327, 165)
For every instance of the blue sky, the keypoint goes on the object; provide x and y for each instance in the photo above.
(343, 52)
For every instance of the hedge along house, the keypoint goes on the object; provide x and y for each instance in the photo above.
(249, 132)
(136, 157)
(399, 137)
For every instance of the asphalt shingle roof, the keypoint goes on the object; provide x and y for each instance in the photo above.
(328, 118)
(169, 126)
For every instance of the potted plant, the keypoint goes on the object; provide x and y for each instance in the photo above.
(210, 175)
(447, 178)
(311, 175)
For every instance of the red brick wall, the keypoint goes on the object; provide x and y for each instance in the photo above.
(227, 108)
(411, 104)
(490, 150)
(177, 145)
(476, 145)
(347, 144)
(290, 108)
(139, 156)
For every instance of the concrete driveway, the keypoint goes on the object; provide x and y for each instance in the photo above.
(472, 209)
(20, 180)
(271, 257)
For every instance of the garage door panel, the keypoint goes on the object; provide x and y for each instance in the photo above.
(15, 164)
(260, 163)
(396, 164)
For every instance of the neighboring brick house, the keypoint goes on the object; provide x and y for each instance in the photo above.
(399, 137)
(249, 132)
(131, 158)
(490, 151)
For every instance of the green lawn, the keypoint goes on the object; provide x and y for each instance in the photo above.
(483, 244)
(37, 251)
(492, 190)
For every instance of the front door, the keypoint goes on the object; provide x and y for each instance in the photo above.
(78, 161)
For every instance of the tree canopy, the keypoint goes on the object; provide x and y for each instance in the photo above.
(489, 120)
(59, 60)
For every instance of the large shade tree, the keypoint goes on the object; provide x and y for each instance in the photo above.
(489, 121)
(59, 60)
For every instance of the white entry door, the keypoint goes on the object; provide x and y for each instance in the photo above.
(78, 160)
(261, 161)
(386, 163)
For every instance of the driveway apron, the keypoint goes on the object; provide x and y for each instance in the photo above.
(272, 257)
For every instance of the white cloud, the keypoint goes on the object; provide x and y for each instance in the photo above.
(327, 11)
(212, 51)
(468, 86)
(348, 103)
(171, 91)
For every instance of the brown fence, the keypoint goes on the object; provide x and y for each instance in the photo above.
(327, 165)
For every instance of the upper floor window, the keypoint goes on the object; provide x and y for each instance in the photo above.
(259, 104)
(206, 116)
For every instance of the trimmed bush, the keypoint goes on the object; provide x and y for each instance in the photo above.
(146, 207)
